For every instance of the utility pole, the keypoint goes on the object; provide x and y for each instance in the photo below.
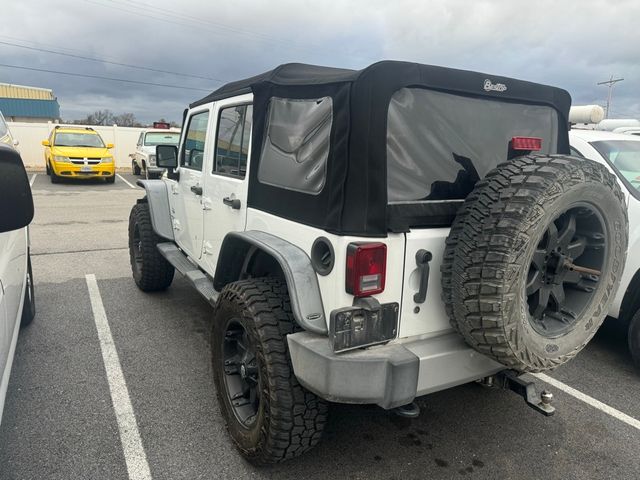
(609, 83)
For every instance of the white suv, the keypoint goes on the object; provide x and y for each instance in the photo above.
(621, 154)
(17, 303)
(373, 236)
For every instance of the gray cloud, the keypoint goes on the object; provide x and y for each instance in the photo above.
(572, 44)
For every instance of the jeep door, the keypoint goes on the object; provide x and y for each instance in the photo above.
(186, 194)
(224, 200)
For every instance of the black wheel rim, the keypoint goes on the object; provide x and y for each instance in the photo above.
(136, 246)
(241, 375)
(565, 270)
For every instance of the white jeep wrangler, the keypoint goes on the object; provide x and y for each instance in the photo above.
(373, 236)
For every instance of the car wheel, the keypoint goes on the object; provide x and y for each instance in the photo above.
(269, 415)
(532, 259)
(135, 168)
(54, 178)
(111, 179)
(48, 169)
(29, 305)
(634, 338)
(151, 271)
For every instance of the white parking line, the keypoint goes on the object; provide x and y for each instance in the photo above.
(134, 453)
(125, 181)
(603, 407)
(33, 179)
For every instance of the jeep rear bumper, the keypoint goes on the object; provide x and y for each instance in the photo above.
(389, 375)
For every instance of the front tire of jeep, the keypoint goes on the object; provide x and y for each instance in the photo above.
(269, 415)
(151, 271)
(534, 258)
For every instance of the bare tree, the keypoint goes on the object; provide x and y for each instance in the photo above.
(125, 120)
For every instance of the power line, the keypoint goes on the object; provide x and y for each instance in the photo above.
(73, 74)
(212, 27)
(100, 60)
(146, 6)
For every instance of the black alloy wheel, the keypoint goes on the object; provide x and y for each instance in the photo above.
(565, 269)
(241, 374)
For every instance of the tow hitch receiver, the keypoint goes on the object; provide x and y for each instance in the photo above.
(527, 390)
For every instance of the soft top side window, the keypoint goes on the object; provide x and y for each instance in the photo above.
(296, 144)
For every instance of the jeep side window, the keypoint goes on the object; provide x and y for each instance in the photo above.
(194, 141)
(296, 144)
(232, 141)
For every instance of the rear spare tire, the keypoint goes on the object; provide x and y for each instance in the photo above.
(534, 259)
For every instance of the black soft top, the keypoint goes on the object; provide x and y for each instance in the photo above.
(354, 197)
(388, 72)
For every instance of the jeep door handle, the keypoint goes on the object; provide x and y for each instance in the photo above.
(232, 202)
(423, 257)
(197, 189)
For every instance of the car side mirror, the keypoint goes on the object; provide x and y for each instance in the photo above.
(109, 145)
(167, 156)
(45, 143)
(14, 191)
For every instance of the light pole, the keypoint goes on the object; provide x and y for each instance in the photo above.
(609, 83)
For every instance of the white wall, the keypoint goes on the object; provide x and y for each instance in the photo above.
(30, 136)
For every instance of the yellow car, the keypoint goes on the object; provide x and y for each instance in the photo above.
(78, 152)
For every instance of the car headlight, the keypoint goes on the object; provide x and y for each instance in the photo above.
(152, 159)
(107, 159)
(59, 158)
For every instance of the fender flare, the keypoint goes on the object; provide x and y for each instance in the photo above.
(301, 278)
(158, 200)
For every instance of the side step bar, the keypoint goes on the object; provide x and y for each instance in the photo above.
(200, 281)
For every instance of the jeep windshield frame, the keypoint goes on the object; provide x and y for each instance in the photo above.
(354, 197)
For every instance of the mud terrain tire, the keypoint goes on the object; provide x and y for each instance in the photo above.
(510, 284)
(151, 271)
(283, 419)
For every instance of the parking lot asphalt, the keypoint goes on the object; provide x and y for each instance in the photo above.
(59, 420)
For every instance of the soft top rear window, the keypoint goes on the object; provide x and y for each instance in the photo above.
(440, 144)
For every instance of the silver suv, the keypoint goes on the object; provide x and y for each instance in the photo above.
(17, 302)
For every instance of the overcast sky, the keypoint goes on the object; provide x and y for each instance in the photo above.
(570, 44)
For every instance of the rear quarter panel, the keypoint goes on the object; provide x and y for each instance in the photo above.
(332, 285)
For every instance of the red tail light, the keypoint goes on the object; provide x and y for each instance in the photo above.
(366, 268)
(526, 143)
